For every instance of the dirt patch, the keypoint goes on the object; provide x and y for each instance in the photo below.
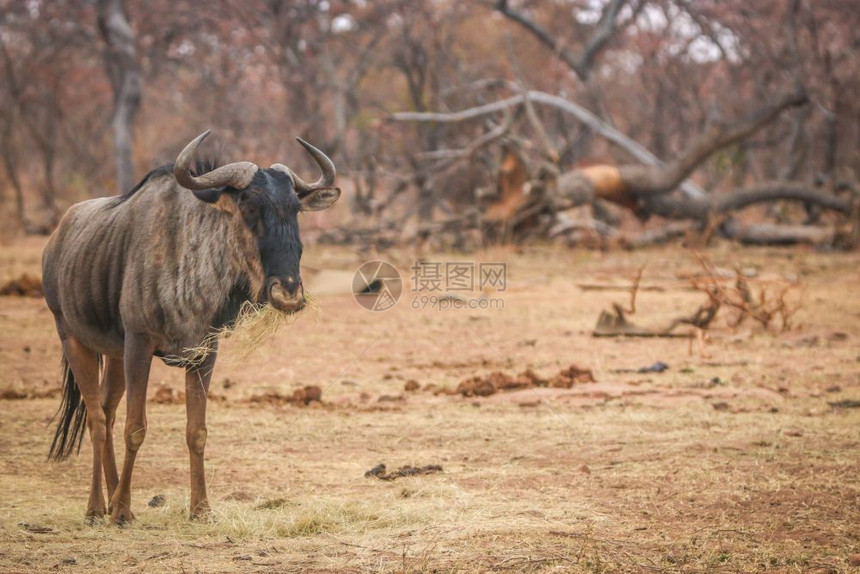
(19, 395)
(24, 286)
(484, 386)
(165, 395)
(303, 397)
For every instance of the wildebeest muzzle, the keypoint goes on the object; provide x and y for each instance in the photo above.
(286, 294)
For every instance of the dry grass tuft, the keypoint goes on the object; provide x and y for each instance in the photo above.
(253, 326)
(256, 323)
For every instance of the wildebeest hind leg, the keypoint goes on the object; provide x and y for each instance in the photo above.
(137, 357)
(196, 387)
(84, 364)
(111, 391)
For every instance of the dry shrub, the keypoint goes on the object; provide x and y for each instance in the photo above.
(772, 303)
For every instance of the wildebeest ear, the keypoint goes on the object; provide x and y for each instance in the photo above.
(208, 195)
(320, 199)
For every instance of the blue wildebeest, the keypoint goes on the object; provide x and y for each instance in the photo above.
(155, 272)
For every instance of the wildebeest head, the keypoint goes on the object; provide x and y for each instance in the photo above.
(269, 201)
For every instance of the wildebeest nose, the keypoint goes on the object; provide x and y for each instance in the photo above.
(287, 295)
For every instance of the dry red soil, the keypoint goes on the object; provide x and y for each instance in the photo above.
(742, 456)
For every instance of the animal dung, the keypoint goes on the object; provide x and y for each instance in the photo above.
(379, 471)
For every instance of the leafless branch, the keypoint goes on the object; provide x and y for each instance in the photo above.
(632, 147)
(580, 63)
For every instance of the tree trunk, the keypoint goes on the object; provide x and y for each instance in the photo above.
(123, 69)
(11, 165)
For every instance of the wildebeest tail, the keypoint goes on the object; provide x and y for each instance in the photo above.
(72, 415)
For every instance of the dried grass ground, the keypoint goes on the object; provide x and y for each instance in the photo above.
(670, 471)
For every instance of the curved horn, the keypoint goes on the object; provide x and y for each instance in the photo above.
(237, 175)
(326, 166)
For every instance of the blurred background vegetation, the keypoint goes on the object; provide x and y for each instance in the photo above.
(96, 93)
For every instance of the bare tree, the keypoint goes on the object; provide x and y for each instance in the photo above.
(598, 37)
(123, 70)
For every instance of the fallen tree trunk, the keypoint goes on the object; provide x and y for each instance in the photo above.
(771, 234)
(649, 189)
(583, 187)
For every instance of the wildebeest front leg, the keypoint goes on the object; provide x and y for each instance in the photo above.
(196, 387)
(138, 360)
(84, 365)
(111, 391)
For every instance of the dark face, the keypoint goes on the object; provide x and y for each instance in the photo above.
(270, 208)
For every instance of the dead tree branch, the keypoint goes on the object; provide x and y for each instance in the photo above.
(644, 181)
(635, 149)
(581, 63)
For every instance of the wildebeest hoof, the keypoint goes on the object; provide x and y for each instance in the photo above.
(201, 513)
(95, 510)
(121, 517)
(93, 517)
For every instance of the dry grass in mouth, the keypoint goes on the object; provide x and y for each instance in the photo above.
(253, 326)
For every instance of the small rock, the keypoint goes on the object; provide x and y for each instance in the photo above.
(657, 367)
(156, 501)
